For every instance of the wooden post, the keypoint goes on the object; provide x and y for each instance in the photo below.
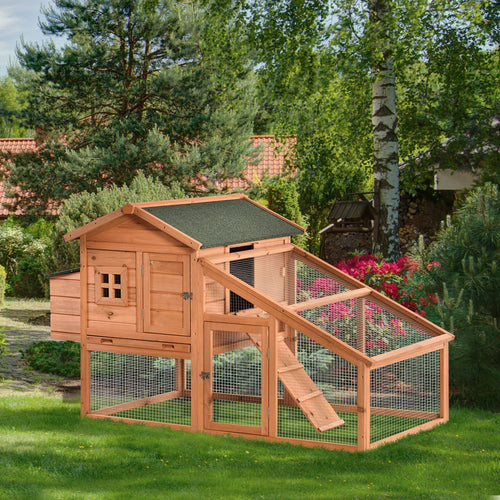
(139, 290)
(197, 342)
(265, 353)
(273, 378)
(291, 342)
(180, 375)
(360, 324)
(444, 382)
(84, 352)
(207, 402)
(363, 407)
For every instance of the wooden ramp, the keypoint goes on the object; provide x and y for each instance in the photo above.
(306, 393)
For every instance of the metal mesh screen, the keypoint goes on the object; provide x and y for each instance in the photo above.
(281, 277)
(290, 280)
(336, 378)
(236, 379)
(313, 283)
(386, 330)
(339, 319)
(140, 387)
(404, 395)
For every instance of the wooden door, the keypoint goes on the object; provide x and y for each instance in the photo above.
(167, 294)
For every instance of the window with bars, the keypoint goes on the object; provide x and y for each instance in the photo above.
(111, 286)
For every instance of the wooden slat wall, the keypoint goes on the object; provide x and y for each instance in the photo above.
(65, 307)
(138, 233)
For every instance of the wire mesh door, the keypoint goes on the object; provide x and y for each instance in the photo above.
(236, 378)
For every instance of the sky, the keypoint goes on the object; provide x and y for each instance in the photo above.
(18, 18)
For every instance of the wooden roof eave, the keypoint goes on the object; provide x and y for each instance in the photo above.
(167, 228)
(133, 209)
(96, 224)
(285, 314)
(189, 201)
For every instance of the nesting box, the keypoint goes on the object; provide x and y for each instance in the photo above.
(201, 315)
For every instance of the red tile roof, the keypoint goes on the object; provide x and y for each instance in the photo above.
(17, 145)
(13, 146)
(273, 157)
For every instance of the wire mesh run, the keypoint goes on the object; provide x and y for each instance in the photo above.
(140, 387)
(313, 380)
(236, 379)
(326, 372)
(404, 395)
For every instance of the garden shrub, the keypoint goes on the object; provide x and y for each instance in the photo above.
(283, 199)
(80, 209)
(468, 282)
(57, 358)
(25, 253)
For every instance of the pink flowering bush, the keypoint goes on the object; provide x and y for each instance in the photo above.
(393, 279)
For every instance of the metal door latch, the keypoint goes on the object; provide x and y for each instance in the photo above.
(187, 295)
(205, 375)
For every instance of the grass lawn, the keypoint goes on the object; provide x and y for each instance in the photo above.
(47, 451)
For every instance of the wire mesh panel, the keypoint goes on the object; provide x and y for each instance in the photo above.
(140, 387)
(404, 395)
(313, 283)
(339, 319)
(386, 330)
(236, 378)
(281, 276)
(335, 379)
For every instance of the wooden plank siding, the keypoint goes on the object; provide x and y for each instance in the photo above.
(167, 289)
(65, 307)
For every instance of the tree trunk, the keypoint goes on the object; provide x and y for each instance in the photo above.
(384, 126)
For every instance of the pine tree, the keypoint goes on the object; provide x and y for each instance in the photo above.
(132, 90)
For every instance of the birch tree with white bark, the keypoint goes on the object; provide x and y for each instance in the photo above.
(385, 134)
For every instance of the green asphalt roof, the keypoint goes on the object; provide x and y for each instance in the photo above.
(225, 222)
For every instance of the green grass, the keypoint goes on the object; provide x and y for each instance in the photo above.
(48, 452)
(292, 422)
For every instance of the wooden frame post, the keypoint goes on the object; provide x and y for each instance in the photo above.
(444, 382)
(363, 407)
(197, 342)
(360, 324)
(273, 378)
(84, 352)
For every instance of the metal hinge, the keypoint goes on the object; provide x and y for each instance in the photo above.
(187, 295)
(205, 375)
(142, 270)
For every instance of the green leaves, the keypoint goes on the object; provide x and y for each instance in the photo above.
(132, 90)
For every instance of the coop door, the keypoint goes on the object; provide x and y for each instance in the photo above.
(236, 374)
(167, 294)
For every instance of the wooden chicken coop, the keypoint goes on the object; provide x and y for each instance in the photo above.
(201, 315)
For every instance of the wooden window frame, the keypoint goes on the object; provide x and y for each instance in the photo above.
(117, 288)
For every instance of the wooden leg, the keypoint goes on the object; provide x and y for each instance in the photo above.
(364, 408)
